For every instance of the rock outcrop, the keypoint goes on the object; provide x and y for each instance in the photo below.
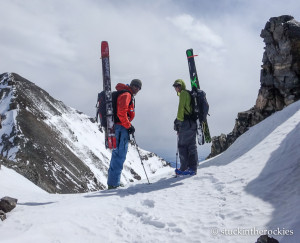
(280, 78)
(7, 204)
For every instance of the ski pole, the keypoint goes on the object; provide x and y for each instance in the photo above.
(137, 148)
(177, 152)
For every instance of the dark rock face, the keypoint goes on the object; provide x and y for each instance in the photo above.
(280, 78)
(280, 84)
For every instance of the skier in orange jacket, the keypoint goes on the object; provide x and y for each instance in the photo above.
(123, 127)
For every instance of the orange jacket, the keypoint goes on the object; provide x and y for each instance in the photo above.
(125, 112)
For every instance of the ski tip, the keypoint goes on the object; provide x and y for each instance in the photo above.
(104, 49)
(189, 51)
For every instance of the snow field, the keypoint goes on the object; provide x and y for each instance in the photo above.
(254, 185)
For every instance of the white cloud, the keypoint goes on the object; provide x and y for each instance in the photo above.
(197, 31)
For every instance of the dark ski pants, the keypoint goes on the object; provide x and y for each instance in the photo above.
(187, 145)
(118, 156)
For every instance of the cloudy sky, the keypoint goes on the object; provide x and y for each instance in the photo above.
(56, 45)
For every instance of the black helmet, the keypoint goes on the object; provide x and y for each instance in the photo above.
(137, 83)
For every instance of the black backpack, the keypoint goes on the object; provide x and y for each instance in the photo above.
(101, 106)
(199, 110)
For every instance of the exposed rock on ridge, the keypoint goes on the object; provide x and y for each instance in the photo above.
(56, 147)
(280, 78)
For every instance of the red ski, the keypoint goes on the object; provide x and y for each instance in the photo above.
(110, 138)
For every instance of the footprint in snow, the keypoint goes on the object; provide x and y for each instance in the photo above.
(145, 219)
(148, 203)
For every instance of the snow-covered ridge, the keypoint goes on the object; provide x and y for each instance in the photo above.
(57, 147)
(8, 115)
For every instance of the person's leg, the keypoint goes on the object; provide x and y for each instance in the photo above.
(192, 147)
(182, 146)
(118, 156)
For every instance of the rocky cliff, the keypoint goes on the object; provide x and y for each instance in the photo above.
(57, 147)
(280, 78)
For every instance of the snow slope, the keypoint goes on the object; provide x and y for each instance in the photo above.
(249, 190)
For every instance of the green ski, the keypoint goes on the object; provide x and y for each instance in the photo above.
(201, 105)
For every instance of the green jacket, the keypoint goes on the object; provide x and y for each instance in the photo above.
(184, 107)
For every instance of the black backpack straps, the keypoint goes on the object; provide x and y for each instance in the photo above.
(123, 91)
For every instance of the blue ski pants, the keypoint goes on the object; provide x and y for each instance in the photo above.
(118, 156)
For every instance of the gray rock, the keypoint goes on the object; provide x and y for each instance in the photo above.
(7, 204)
(266, 239)
(2, 215)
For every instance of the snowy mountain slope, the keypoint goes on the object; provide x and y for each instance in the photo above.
(249, 190)
(56, 147)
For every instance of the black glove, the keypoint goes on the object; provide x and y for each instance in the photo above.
(131, 129)
(177, 125)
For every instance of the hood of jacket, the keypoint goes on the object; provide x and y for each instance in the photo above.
(121, 86)
(181, 82)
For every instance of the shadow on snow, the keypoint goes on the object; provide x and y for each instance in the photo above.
(162, 184)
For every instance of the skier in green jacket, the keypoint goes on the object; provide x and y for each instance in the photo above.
(186, 129)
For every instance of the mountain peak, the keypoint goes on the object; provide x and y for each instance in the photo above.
(56, 147)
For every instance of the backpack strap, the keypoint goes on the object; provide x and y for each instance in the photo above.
(126, 90)
(119, 92)
(189, 113)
